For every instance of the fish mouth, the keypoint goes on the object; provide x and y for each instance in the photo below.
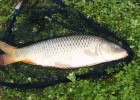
(124, 54)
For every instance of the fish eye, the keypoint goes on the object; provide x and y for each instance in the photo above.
(117, 47)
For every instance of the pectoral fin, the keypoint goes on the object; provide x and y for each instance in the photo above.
(58, 64)
(90, 53)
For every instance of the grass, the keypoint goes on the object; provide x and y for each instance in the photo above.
(119, 16)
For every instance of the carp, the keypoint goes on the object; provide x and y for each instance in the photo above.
(64, 52)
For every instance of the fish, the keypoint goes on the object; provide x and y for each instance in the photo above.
(73, 51)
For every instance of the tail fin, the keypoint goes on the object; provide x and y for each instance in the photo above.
(8, 49)
(7, 58)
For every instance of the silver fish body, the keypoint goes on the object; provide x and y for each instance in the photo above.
(71, 52)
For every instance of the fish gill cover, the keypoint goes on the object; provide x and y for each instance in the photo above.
(39, 21)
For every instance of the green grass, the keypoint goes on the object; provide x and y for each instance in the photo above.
(122, 17)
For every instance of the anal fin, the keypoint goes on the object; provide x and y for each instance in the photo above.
(27, 61)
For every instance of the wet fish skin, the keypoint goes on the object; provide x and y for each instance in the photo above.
(69, 52)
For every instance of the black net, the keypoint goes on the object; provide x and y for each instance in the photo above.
(42, 20)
